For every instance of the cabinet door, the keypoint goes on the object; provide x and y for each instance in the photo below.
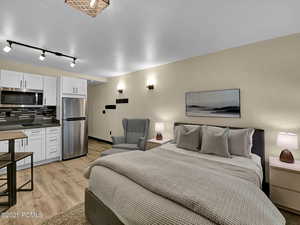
(19, 147)
(69, 85)
(35, 144)
(4, 146)
(82, 89)
(33, 81)
(74, 86)
(11, 79)
(50, 91)
(53, 145)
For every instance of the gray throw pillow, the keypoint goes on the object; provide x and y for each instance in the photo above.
(215, 142)
(239, 140)
(189, 139)
(188, 127)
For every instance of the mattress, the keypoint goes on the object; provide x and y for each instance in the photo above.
(110, 186)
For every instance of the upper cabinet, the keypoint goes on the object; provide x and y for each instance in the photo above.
(12, 79)
(74, 86)
(50, 91)
(33, 81)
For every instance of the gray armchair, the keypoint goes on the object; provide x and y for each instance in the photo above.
(135, 135)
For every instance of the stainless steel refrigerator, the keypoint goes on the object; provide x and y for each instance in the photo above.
(74, 116)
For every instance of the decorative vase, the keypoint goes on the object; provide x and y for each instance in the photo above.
(286, 156)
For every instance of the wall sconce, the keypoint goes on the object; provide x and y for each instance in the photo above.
(150, 84)
(120, 88)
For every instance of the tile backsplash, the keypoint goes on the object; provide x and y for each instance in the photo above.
(19, 115)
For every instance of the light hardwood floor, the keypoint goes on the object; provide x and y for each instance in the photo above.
(58, 187)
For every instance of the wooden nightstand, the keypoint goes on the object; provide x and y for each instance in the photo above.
(153, 143)
(285, 184)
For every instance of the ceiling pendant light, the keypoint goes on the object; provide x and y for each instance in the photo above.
(42, 56)
(7, 48)
(73, 63)
(89, 7)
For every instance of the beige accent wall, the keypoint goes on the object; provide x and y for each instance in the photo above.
(268, 74)
(27, 68)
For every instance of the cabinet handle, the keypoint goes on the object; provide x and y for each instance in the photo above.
(52, 130)
(25, 84)
(21, 84)
(45, 101)
(52, 140)
(53, 150)
(22, 143)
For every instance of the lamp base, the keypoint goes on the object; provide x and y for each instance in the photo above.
(159, 136)
(286, 156)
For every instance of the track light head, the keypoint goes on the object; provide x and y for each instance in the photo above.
(73, 63)
(7, 48)
(42, 56)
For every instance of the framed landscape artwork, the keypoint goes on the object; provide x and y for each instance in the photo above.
(220, 103)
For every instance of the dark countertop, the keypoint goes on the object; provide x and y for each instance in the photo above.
(31, 126)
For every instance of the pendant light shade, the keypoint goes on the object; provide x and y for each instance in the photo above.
(89, 7)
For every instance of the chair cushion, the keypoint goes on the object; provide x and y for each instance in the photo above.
(113, 151)
(126, 146)
(134, 129)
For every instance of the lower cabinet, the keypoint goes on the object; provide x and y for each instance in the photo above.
(52, 143)
(43, 142)
(35, 144)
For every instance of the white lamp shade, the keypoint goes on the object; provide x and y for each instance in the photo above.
(159, 127)
(287, 140)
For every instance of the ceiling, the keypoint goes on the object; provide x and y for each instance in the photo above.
(131, 35)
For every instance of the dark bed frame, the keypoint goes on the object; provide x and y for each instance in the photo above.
(97, 213)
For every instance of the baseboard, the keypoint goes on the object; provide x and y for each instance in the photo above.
(98, 139)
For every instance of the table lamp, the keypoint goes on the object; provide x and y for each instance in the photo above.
(287, 141)
(159, 128)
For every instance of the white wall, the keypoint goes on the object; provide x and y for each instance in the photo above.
(268, 74)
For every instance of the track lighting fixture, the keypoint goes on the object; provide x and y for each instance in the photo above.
(73, 63)
(7, 48)
(42, 57)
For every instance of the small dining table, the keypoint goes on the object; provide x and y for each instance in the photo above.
(8, 160)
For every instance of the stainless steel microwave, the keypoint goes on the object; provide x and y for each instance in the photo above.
(18, 97)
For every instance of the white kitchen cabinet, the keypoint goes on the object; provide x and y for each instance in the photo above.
(35, 144)
(11, 79)
(33, 81)
(74, 86)
(45, 143)
(50, 88)
(53, 146)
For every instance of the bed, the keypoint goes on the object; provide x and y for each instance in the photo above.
(153, 188)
